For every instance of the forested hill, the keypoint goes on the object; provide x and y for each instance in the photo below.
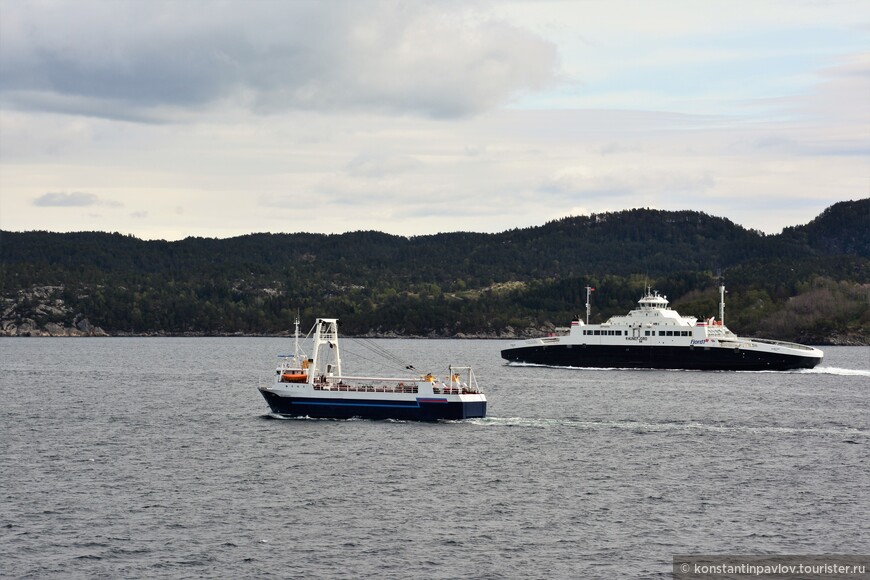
(809, 283)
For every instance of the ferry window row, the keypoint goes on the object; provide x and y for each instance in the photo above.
(645, 333)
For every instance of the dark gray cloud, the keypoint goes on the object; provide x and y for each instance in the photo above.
(139, 58)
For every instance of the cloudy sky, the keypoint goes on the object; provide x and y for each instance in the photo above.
(168, 119)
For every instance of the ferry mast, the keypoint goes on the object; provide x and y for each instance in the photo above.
(589, 291)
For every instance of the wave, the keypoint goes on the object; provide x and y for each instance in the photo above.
(833, 371)
(570, 368)
(653, 427)
(814, 371)
(277, 417)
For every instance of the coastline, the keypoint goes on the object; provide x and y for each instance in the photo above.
(84, 328)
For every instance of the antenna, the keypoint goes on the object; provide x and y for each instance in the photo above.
(721, 299)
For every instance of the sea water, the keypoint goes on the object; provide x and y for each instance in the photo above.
(158, 458)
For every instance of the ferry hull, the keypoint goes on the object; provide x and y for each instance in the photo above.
(659, 357)
(420, 409)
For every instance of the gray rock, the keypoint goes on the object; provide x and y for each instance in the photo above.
(54, 329)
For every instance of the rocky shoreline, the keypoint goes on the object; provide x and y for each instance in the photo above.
(29, 327)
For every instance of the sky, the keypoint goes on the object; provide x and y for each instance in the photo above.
(169, 119)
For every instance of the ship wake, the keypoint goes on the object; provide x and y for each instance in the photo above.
(641, 427)
(833, 371)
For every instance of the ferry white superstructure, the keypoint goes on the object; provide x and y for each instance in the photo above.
(655, 336)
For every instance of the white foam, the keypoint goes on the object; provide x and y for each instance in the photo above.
(834, 371)
(642, 426)
(816, 370)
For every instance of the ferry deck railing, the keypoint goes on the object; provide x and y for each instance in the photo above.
(783, 343)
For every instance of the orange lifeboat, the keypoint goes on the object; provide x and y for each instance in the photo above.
(294, 377)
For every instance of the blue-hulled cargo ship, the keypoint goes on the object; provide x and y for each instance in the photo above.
(315, 387)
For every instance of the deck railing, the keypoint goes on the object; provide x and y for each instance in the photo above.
(366, 388)
(783, 343)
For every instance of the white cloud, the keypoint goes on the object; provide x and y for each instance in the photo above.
(414, 118)
(586, 184)
(72, 199)
(60, 199)
(375, 165)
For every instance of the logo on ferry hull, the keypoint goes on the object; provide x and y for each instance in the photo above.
(700, 341)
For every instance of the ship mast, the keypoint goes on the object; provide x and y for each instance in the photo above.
(296, 344)
(326, 358)
(589, 291)
(722, 300)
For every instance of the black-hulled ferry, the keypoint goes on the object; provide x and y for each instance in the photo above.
(315, 387)
(653, 336)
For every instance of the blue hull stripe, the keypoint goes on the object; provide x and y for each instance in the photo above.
(346, 403)
(300, 401)
(423, 409)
